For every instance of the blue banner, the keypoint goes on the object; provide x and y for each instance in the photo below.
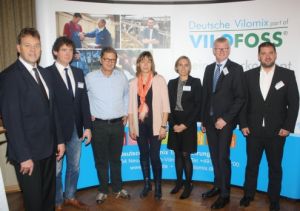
(203, 170)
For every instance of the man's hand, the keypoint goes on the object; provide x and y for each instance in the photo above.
(203, 129)
(124, 119)
(284, 133)
(81, 36)
(245, 131)
(220, 123)
(87, 135)
(60, 151)
(27, 167)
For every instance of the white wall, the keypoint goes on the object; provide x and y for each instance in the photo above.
(277, 18)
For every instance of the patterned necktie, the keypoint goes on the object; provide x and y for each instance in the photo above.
(70, 90)
(39, 81)
(216, 77)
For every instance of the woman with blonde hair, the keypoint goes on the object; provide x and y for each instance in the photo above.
(147, 117)
(185, 99)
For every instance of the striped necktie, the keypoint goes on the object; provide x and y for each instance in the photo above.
(216, 76)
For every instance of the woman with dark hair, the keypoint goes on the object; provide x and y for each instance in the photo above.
(147, 116)
(185, 100)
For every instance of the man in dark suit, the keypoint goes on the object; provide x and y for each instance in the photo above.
(74, 113)
(223, 97)
(31, 122)
(267, 118)
(150, 36)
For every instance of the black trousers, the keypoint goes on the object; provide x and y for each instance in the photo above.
(149, 147)
(39, 188)
(273, 148)
(107, 145)
(219, 148)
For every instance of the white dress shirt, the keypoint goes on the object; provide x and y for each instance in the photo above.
(265, 80)
(221, 67)
(61, 70)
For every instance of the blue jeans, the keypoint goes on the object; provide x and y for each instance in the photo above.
(73, 151)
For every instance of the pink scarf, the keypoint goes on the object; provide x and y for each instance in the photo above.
(142, 92)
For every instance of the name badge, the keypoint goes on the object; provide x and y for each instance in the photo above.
(225, 71)
(80, 85)
(187, 88)
(279, 85)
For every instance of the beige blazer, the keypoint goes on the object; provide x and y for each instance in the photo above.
(160, 103)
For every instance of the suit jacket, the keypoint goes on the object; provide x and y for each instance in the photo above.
(71, 111)
(229, 95)
(190, 101)
(155, 35)
(30, 119)
(279, 110)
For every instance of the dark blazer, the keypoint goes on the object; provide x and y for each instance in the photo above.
(190, 101)
(71, 111)
(229, 96)
(30, 119)
(280, 109)
(155, 35)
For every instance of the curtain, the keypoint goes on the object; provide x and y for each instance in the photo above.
(14, 15)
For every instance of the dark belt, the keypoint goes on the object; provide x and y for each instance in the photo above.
(109, 121)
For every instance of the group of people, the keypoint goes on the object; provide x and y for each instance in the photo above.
(49, 112)
(149, 37)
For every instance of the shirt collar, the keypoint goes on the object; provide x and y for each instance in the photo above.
(114, 72)
(222, 63)
(270, 72)
(60, 67)
(26, 64)
(100, 29)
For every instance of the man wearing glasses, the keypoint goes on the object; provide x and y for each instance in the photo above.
(108, 96)
(223, 97)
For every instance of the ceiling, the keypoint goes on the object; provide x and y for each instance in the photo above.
(163, 1)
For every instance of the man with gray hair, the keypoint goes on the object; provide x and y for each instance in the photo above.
(223, 98)
(102, 35)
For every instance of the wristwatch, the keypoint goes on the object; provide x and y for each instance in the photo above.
(164, 126)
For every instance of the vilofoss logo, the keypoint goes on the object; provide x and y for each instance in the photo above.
(250, 40)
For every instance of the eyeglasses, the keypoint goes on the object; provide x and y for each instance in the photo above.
(221, 49)
(109, 60)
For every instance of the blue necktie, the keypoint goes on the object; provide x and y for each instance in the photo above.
(70, 90)
(216, 76)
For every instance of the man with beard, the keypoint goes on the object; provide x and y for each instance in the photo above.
(268, 117)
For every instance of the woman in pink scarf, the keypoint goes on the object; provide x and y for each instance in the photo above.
(147, 116)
